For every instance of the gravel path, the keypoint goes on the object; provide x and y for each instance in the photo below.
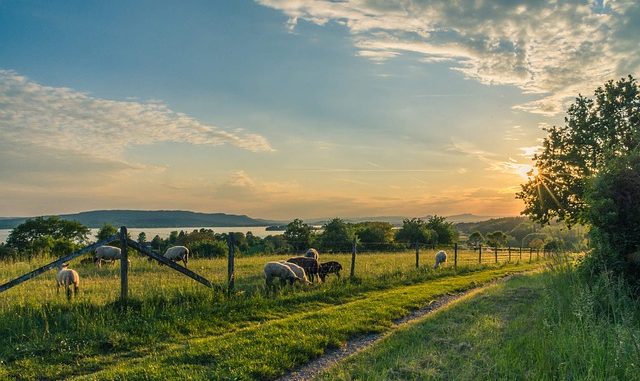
(330, 358)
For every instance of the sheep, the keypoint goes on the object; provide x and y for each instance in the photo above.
(67, 277)
(279, 270)
(177, 253)
(310, 265)
(299, 271)
(107, 254)
(327, 268)
(441, 257)
(312, 253)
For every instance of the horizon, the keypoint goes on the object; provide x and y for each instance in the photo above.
(281, 110)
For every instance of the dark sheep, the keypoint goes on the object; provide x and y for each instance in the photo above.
(310, 265)
(327, 268)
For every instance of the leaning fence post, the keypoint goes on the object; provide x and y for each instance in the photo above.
(495, 251)
(417, 255)
(353, 259)
(509, 255)
(124, 265)
(480, 254)
(455, 255)
(231, 276)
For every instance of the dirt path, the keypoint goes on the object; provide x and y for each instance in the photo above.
(332, 357)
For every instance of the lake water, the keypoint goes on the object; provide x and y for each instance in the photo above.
(258, 231)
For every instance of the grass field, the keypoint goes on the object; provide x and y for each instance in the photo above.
(174, 321)
(543, 326)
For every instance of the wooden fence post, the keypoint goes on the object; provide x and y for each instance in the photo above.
(417, 255)
(509, 255)
(537, 254)
(520, 257)
(495, 251)
(455, 255)
(480, 255)
(353, 259)
(530, 252)
(124, 265)
(231, 276)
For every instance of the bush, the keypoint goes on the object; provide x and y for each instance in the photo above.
(209, 249)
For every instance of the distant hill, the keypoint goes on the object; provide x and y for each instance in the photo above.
(151, 219)
(505, 224)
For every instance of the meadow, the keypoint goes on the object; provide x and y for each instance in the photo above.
(549, 325)
(173, 326)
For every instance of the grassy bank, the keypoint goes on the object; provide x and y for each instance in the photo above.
(546, 326)
(173, 326)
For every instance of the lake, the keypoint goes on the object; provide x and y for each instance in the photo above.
(258, 231)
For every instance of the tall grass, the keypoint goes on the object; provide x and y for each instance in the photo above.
(554, 325)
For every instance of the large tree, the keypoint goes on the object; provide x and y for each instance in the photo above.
(596, 131)
(298, 234)
(42, 234)
(414, 231)
(337, 235)
(445, 232)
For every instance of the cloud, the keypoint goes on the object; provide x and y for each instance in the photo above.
(554, 49)
(63, 119)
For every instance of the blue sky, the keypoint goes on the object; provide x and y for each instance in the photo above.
(282, 109)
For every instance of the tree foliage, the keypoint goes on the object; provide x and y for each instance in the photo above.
(375, 235)
(415, 230)
(106, 231)
(475, 239)
(497, 239)
(596, 131)
(337, 235)
(445, 232)
(298, 235)
(47, 235)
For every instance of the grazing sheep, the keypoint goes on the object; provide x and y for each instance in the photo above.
(310, 265)
(106, 254)
(177, 253)
(327, 268)
(279, 270)
(441, 257)
(67, 277)
(312, 253)
(299, 271)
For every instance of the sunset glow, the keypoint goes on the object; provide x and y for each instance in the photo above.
(285, 109)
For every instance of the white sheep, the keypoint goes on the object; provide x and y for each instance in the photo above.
(299, 271)
(441, 257)
(177, 253)
(279, 270)
(312, 253)
(67, 277)
(107, 254)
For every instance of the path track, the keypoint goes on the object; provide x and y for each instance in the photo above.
(319, 365)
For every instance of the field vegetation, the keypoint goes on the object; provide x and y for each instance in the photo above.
(174, 327)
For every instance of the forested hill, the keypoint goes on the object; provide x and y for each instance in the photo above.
(505, 224)
(151, 219)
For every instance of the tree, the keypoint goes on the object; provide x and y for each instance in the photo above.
(156, 243)
(596, 132)
(375, 235)
(445, 232)
(142, 238)
(106, 231)
(298, 235)
(497, 239)
(337, 235)
(475, 239)
(414, 231)
(39, 235)
(614, 201)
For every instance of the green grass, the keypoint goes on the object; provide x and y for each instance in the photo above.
(547, 326)
(174, 326)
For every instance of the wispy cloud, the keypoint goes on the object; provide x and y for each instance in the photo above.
(555, 49)
(64, 119)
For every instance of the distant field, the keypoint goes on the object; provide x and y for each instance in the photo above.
(43, 335)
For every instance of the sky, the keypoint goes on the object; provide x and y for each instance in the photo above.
(293, 109)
